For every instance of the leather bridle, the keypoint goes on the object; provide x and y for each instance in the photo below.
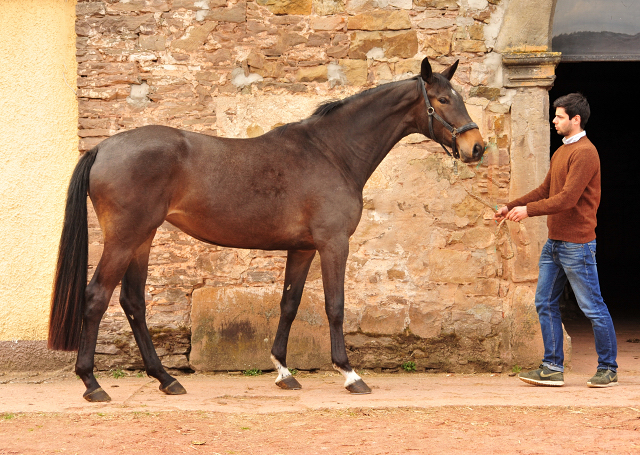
(454, 131)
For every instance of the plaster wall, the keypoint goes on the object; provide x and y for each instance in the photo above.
(38, 149)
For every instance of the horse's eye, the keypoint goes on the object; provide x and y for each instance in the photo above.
(443, 100)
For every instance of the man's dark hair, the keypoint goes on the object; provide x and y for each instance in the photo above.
(574, 104)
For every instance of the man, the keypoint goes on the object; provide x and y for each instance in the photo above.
(569, 196)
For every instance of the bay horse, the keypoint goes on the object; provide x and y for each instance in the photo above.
(296, 188)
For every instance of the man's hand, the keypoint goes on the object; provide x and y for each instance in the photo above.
(517, 214)
(500, 213)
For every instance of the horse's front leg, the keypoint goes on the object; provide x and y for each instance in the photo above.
(334, 256)
(298, 263)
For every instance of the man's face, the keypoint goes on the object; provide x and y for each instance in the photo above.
(565, 126)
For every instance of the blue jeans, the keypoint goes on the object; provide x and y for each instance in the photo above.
(576, 262)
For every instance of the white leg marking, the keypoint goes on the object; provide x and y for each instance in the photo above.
(349, 376)
(283, 372)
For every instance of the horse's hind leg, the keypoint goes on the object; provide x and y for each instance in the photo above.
(298, 263)
(133, 304)
(110, 270)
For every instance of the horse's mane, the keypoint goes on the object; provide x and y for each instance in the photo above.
(330, 106)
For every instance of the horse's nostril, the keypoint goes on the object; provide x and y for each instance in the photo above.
(478, 150)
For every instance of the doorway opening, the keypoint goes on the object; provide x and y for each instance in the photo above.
(611, 89)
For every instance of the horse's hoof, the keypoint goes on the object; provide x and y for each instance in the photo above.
(97, 396)
(175, 388)
(289, 383)
(358, 388)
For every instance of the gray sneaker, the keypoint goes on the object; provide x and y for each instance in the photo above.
(543, 376)
(603, 378)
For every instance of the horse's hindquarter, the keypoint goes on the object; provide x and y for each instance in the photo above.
(268, 192)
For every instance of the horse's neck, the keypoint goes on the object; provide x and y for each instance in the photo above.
(363, 132)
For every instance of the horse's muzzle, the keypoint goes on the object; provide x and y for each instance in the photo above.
(478, 151)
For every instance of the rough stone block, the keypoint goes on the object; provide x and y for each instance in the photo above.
(328, 23)
(403, 44)
(234, 329)
(288, 7)
(453, 266)
(435, 23)
(386, 319)
(438, 4)
(235, 14)
(490, 93)
(312, 74)
(195, 37)
(438, 44)
(426, 322)
(380, 20)
(469, 45)
(328, 7)
(355, 70)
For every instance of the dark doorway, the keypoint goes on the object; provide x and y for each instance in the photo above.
(612, 91)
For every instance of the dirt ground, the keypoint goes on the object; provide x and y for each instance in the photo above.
(444, 430)
(44, 413)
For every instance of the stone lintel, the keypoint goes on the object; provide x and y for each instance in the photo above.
(530, 69)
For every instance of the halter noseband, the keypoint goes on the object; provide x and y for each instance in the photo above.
(454, 131)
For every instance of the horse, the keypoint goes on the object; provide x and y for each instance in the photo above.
(296, 188)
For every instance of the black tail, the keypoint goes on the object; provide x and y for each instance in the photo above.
(68, 299)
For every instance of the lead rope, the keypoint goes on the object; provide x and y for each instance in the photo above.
(502, 224)
(507, 234)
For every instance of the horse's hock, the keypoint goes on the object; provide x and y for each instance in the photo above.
(428, 278)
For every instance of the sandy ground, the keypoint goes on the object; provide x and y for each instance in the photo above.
(405, 413)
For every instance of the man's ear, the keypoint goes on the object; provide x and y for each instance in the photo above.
(576, 119)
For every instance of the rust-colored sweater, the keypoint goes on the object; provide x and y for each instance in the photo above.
(570, 193)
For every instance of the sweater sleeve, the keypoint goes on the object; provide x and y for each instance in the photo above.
(542, 192)
(583, 165)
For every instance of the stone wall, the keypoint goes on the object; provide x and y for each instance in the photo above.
(429, 278)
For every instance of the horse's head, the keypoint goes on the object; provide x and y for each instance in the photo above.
(448, 120)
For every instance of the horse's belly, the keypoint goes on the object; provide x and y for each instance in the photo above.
(239, 232)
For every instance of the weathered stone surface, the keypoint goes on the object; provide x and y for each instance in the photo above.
(293, 7)
(490, 93)
(453, 266)
(314, 73)
(439, 4)
(380, 20)
(152, 42)
(407, 66)
(394, 44)
(328, 7)
(139, 6)
(236, 13)
(469, 45)
(438, 44)
(435, 23)
(386, 319)
(234, 329)
(195, 37)
(355, 71)
(328, 23)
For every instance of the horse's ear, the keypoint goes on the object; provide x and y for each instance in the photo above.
(448, 72)
(425, 70)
